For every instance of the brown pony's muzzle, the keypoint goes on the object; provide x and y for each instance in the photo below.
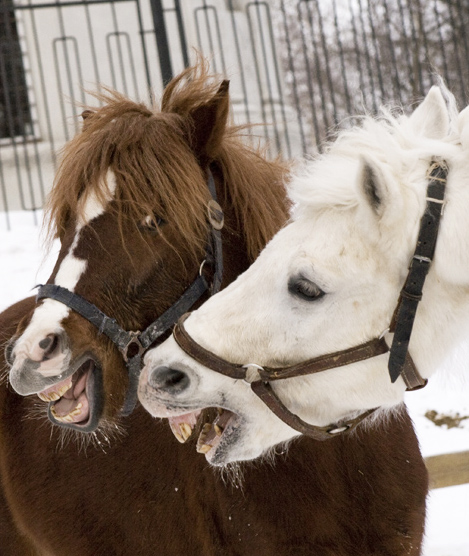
(43, 363)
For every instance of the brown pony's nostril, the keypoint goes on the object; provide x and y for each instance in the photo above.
(49, 345)
(169, 380)
(9, 357)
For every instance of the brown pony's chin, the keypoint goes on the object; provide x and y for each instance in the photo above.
(77, 401)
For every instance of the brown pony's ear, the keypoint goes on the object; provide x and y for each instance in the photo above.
(85, 115)
(209, 123)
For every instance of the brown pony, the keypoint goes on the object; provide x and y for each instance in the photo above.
(130, 208)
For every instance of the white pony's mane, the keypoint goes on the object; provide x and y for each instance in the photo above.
(387, 139)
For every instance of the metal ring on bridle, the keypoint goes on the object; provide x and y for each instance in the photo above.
(252, 372)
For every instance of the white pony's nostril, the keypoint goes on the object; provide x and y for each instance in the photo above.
(170, 380)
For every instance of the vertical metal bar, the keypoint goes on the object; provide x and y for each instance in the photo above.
(416, 66)
(258, 76)
(291, 68)
(440, 40)
(182, 33)
(42, 81)
(397, 90)
(359, 66)
(377, 54)
(318, 73)
(406, 48)
(270, 92)
(144, 52)
(240, 63)
(367, 55)
(162, 43)
(342, 60)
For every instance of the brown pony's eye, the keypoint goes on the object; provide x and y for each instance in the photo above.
(304, 288)
(151, 224)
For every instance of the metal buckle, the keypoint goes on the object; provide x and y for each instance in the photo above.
(134, 342)
(383, 333)
(215, 214)
(433, 166)
(252, 372)
(336, 429)
(422, 259)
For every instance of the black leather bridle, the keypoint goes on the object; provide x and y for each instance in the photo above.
(400, 362)
(133, 344)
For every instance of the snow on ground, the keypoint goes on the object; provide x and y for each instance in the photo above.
(23, 265)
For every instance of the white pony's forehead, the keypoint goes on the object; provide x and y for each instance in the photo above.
(328, 181)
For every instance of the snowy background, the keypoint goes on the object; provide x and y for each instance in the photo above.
(23, 264)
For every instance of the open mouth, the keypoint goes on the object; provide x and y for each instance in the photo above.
(213, 435)
(76, 401)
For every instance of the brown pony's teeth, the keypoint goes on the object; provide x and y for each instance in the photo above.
(69, 417)
(51, 397)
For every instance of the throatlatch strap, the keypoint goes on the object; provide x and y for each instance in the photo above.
(265, 392)
(216, 220)
(411, 293)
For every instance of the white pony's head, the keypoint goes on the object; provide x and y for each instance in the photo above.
(330, 280)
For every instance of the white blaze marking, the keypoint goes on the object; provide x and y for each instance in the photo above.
(48, 317)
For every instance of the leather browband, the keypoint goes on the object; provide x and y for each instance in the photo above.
(400, 361)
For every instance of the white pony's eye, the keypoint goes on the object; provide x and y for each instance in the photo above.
(151, 223)
(304, 288)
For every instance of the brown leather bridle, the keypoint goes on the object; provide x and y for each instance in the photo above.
(400, 362)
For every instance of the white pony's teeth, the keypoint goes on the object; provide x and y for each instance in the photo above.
(182, 431)
(186, 431)
(203, 445)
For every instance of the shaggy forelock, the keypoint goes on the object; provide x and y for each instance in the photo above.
(157, 173)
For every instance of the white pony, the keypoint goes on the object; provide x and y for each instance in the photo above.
(328, 281)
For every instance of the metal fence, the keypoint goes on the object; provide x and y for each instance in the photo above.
(300, 66)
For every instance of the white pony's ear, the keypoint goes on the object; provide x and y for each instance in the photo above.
(380, 201)
(372, 186)
(431, 118)
(463, 127)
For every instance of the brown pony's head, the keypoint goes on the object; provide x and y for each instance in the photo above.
(129, 205)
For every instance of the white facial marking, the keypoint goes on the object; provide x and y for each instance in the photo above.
(47, 318)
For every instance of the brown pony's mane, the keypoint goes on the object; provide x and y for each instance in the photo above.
(156, 174)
